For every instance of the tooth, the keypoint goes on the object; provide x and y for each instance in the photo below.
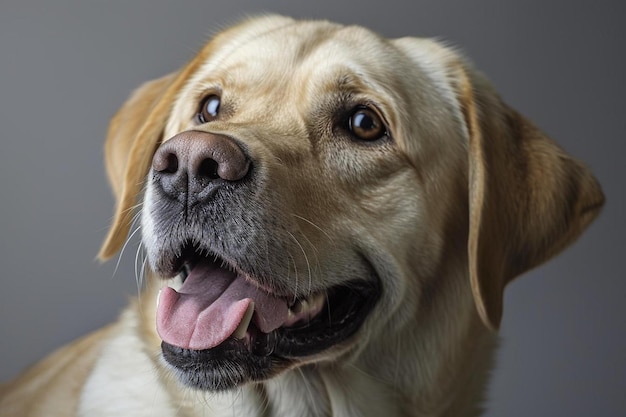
(318, 301)
(158, 298)
(240, 331)
(175, 283)
(298, 306)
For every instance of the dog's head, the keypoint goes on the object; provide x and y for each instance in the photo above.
(314, 188)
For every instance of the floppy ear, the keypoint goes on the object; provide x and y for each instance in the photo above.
(528, 199)
(124, 129)
(134, 134)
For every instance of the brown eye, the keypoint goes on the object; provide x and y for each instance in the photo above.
(209, 109)
(366, 125)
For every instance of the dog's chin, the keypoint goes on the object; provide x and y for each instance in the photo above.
(226, 366)
(319, 326)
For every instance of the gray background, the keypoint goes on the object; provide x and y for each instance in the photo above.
(66, 66)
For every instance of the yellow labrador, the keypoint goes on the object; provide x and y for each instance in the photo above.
(330, 220)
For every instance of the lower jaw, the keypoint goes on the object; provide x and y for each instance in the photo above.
(235, 362)
(223, 367)
(263, 356)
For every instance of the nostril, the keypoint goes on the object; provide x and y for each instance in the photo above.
(208, 169)
(172, 164)
(166, 163)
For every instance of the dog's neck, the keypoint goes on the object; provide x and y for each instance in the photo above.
(313, 391)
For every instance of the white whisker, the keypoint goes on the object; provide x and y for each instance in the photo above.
(295, 271)
(128, 239)
(317, 261)
(314, 225)
(138, 274)
(142, 273)
(306, 258)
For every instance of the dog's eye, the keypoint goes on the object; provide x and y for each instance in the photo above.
(365, 124)
(209, 109)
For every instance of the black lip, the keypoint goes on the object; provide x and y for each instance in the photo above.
(348, 307)
(224, 367)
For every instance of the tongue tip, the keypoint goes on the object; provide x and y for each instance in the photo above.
(211, 330)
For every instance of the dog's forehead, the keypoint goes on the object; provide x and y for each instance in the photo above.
(294, 54)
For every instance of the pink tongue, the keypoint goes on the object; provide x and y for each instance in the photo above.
(209, 307)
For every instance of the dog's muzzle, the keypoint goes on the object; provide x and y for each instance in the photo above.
(231, 321)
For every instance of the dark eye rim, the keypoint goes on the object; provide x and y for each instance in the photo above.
(202, 116)
(373, 111)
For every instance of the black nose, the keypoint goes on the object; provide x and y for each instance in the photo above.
(193, 163)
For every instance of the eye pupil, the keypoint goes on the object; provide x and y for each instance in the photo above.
(365, 124)
(363, 121)
(210, 109)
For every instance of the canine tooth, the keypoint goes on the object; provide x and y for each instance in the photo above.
(175, 283)
(240, 331)
(314, 302)
(158, 298)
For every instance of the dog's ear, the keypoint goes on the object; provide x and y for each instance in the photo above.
(134, 133)
(125, 128)
(528, 199)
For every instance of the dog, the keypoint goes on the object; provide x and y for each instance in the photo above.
(330, 220)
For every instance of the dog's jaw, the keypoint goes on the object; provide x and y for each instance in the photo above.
(313, 325)
(258, 345)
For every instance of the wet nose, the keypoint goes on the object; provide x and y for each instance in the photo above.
(193, 161)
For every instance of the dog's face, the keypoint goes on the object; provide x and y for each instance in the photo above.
(311, 188)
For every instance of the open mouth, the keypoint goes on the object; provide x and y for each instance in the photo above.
(220, 329)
